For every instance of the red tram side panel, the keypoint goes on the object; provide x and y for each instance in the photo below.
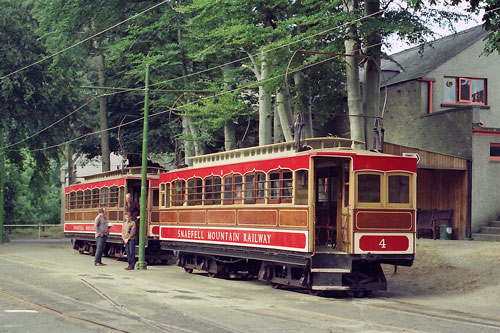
(108, 189)
(317, 219)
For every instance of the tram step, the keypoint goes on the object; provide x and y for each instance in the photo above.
(486, 237)
(330, 288)
(490, 230)
(331, 263)
(330, 270)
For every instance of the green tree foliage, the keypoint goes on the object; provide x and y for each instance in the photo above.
(30, 101)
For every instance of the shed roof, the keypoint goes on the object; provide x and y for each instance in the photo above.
(410, 64)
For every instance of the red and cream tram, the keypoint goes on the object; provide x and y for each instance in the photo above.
(108, 189)
(324, 218)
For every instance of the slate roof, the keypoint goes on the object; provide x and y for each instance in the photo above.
(418, 65)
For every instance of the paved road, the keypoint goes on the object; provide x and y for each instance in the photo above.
(67, 290)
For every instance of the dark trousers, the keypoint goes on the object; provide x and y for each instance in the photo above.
(130, 250)
(101, 245)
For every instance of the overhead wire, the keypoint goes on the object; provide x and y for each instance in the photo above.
(125, 90)
(83, 40)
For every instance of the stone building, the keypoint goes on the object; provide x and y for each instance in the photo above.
(446, 100)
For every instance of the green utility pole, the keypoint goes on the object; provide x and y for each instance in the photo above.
(141, 264)
(2, 181)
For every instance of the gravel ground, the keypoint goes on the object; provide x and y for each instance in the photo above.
(457, 275)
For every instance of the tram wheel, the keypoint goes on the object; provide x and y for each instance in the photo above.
(212, 275)
(188, 270)
(275, 285)
(318, 293)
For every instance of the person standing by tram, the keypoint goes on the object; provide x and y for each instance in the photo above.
(129, 233)
(132, 207)
(101, 234)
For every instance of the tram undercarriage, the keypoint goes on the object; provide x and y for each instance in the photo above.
(357, 277)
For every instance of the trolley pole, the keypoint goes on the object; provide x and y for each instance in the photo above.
(2, 181)
(141, 264)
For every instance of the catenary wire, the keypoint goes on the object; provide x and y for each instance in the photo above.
(83, 40)
(125, 90)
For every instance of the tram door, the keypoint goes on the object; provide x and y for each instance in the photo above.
(327, 196)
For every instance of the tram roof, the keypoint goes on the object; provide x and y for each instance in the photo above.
(113, 178)
(284, 156)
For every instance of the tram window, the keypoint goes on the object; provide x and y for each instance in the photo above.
(212, 190)
(238, 189)
(399, 189)
(104, 196)
(287, 187)
(162, 195)
(250, 188)
(179, 191)
(228, 189)
(194, 191)
(72, 200)
(274, 186)
(87, 198)
(261, 186)
(79, 199)
(233, 189)
(280, 186)
(121, 196)
(95, 198)
(165, 195)
(301, 187)
(217, 190)
(156, 197)
(113, 196)
(322, 189)
(369, 188)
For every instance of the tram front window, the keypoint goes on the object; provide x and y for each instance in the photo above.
(399, 189)
(369, 188)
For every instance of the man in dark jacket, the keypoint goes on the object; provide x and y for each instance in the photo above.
(133, 207)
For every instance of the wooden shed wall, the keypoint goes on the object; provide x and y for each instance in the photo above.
(442, 183)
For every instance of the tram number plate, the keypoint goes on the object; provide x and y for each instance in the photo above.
(384, 243)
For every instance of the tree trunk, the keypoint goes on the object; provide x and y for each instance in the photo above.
(188, 143)
(265, 115)
(304, 95)
(229, 125)
(277, 131)
(284, 114)
(191, 131)
(103, 111)
(354, 100)
(371, 91)
(229, 135)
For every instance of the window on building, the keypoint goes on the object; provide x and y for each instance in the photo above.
(212, 190)
(495, 151)
(465, 90)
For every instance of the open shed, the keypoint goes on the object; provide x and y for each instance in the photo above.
(443, 183)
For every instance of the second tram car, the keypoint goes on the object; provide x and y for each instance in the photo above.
(108, 189)
(324, 218)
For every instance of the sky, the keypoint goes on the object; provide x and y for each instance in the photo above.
(397, 46)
